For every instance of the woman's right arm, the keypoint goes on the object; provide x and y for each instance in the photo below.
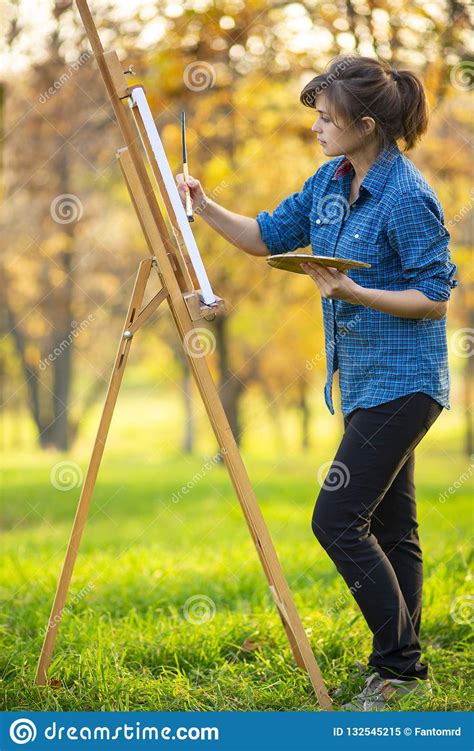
(241, 231)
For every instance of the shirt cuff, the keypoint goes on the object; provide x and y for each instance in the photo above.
(269, 233)
(437, 287)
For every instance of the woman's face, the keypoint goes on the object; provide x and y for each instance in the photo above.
(334, 140)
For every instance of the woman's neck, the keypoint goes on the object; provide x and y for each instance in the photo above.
(362, 160)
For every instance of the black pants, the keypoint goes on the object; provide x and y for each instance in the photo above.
(365, 518)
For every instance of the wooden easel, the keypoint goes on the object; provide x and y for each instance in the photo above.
(188, 302)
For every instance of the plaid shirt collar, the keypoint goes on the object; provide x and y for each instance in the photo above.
(376, 177)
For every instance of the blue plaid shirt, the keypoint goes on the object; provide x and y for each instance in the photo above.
(397, 225)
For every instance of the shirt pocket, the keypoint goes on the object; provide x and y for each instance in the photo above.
(360, 247)
(366, 251)
(323, 231)
(369, 245)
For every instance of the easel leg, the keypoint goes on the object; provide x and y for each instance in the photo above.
(279, 588)
(92, 471)
(296, 634)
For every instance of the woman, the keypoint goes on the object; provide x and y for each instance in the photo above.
(385, 330)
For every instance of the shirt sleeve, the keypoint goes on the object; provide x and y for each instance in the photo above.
(288, 228)
(416, 232)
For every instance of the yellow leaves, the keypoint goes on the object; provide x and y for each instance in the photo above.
(38, 326)
(32, 355)
(223, 74)
(462, 257)
(55, 243)
(217, 174)
(56, 276)
(269, 119)
(207, 129)
(468, 298)
(171, 137)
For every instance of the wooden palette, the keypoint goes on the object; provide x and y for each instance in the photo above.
(292, 261)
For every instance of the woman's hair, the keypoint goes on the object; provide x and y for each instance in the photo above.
(357, 87)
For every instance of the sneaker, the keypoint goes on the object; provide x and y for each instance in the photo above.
(378, 692)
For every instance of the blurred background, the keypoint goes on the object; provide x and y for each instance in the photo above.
(165, 530)
(71, 242)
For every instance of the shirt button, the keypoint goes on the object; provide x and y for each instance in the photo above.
(356, 236)
(318, 221)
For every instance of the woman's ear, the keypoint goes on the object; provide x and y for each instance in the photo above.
(368, 124)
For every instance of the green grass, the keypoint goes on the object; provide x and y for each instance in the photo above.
(124, 641)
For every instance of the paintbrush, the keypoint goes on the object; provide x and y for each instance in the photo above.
(189, 205)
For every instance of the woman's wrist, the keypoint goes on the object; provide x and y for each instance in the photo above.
(364, 296)
(203, 206)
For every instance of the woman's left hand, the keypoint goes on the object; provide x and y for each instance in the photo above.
(333, 283)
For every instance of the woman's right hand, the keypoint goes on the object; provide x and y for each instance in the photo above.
(198, 197)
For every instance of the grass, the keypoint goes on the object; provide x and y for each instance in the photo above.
(128, 640)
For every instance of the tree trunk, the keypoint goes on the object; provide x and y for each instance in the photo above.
(187, 445)
(230, 387)
(305, 414)
(352, 17)
(30, 373)
(64, 340)
(61, 389)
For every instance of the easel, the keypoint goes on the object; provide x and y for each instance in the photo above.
(186, 288)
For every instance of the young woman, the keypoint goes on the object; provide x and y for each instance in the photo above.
(385, 330)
